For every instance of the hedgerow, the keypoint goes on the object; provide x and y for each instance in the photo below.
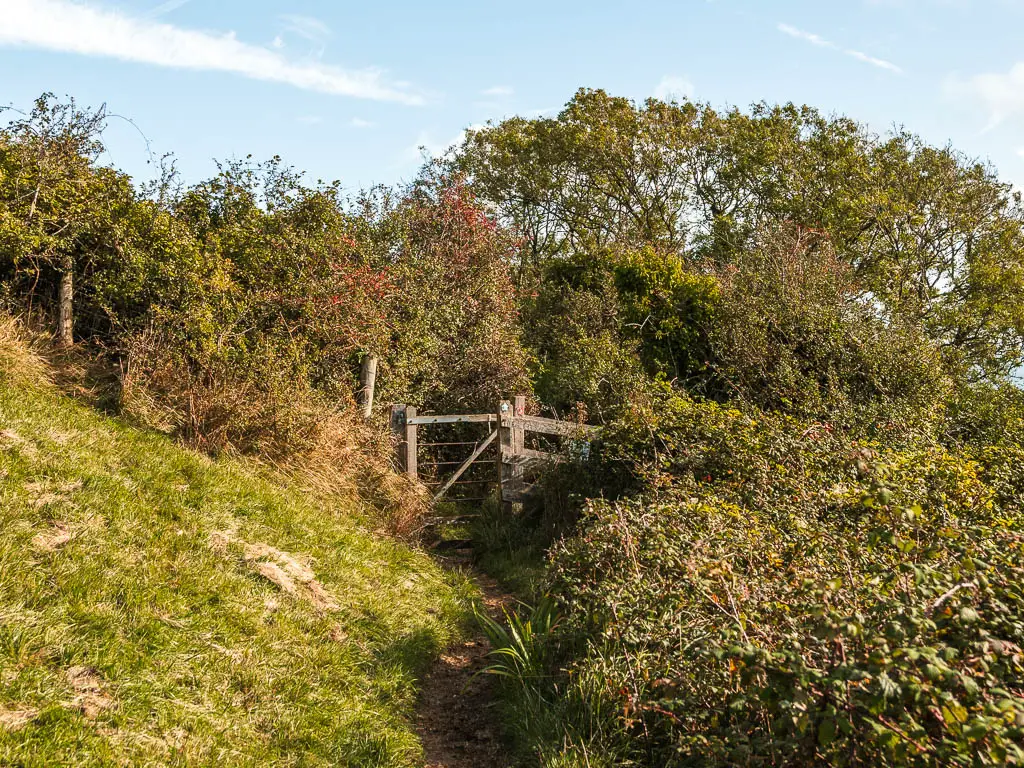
(727, 636)
(235, 312)
(757, 590)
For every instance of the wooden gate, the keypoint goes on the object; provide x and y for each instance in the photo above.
(507, 429)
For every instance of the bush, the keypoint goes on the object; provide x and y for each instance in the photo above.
(453, 317)
(985, 413)
(796, 333)
(607, 325)
(747, 587)
(668, 309)
(726, 636)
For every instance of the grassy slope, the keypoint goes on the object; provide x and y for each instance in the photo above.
(192, 657)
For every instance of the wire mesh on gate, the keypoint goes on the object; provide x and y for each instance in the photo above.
(447, 449)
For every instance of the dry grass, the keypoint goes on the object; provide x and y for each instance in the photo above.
(29, 357)
(12, 720)
(324, 445)
(349, 452)
(21, 360)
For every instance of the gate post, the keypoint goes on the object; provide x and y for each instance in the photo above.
(404, 434)
(511, 442)
(411, 448)
(518, 432)
(505, 455)
(518, 441)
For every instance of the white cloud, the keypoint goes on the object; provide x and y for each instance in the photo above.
(808, 36)
(821, 42)
(74, 27)
(1020, 152)
(426, 147)
(873, 61)
(308, 27)
(358, 122)
(1001, 94)
(498, 90)
(673, 87)
(167, 7)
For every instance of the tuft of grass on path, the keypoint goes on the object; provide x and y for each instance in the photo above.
(161, 608)
(511, 548)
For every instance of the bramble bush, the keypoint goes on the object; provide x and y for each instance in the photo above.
(758, 590)
(818, 562)
(726, 636)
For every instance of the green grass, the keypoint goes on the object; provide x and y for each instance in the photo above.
(511, 548)
(191, 656)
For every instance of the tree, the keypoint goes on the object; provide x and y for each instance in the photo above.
(934, 239)
(55, 199)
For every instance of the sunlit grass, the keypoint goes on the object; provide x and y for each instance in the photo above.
(140, 562)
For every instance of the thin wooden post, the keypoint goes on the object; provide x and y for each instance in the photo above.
(65, 310)
(367, 383)
(411, 449)
(518, 432)
(518, 441)
(398, 417)
(505, 455)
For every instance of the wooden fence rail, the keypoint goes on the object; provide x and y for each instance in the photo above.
(508, 426)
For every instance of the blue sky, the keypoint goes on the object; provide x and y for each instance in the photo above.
(349, 91)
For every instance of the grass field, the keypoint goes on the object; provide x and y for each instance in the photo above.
(161, 608)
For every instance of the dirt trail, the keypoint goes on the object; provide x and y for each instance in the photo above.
(456, 721)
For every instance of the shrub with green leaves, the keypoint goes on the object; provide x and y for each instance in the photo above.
(796, 332)
(889, 635)
(608, 324)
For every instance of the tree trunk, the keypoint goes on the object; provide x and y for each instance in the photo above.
(65, 315)
(367, 384)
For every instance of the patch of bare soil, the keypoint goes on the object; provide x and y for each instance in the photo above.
(53, 539)
(456, 721)
(90, 696)
(15, 719)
